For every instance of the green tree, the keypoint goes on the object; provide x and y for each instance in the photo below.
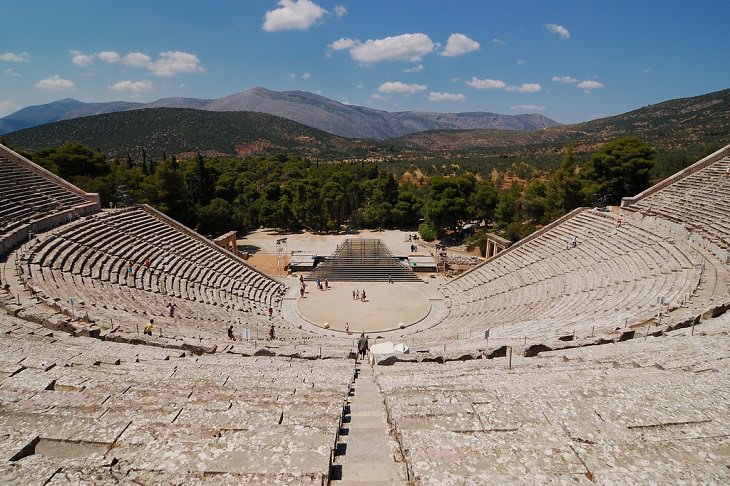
(483, 201)
(199, 184)
(72, 160)
(447, 204)
(564, 188)
(620, 168)
(216, 218)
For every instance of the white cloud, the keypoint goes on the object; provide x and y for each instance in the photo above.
(299, 14)
(435, 96)
(108, 56)
(398, 87)
(558, 30)
(171, 63)
(306, 75)
(565, 79)
(11, 72)
(340, 10)
(527, 108)
(521, 62)
(55, 83)
(499, 42)
(414, 69)
(7, 107)
(405, 47)
(81, 59)
(13, 57)
(132, 86)
(525, 88)
(477, 83)
(459, 44)
(136, 59)
(343, 43)
(590, 85)
(378, 97)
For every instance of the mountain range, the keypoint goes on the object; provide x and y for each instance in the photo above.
(310, 109)
(673, 125)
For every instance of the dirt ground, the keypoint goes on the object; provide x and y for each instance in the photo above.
(270, 264)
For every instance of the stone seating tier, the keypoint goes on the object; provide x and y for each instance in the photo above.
(700, 201)
(34, 200)
(611, 279)
(73, 407)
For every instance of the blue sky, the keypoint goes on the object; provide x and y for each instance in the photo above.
(570, 60)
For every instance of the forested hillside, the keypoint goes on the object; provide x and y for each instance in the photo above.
(217, 194)
(187, 131)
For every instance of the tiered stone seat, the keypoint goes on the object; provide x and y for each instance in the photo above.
(544, 288)
(101, 263)
(82, 410)
(638, 412)
(34, 200)
(697, 199)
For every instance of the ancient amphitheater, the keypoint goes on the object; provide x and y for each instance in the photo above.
(607, 362)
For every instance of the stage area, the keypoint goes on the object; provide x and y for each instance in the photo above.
(385, 307)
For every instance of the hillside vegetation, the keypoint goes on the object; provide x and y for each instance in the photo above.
(187, 131)
(667, 126)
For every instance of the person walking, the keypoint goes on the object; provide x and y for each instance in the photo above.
(362, 345)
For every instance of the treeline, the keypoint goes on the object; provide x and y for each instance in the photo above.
(218, 194)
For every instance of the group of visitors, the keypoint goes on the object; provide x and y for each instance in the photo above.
(130, 266)
(358, 294)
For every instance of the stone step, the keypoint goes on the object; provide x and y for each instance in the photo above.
(366, 452)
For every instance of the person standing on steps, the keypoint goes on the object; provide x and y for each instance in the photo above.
(362, 345)
(148, 328)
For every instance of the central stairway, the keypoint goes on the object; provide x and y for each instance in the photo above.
(366, 453)
(363, 259)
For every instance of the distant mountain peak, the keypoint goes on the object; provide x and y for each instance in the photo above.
(305, 107)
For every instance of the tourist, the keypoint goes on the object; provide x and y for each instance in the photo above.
(271, 312)
(230, 334)
(390, 278)
(148, 328)
(362, 345)
(272, 334)
(326, 284)
(362, 296)
(147, 263)
(172, 308)
(354, 292)
(574, 241)
(357, 294)
(347, 327)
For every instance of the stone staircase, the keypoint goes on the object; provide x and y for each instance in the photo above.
(366, 260)
(365, 452)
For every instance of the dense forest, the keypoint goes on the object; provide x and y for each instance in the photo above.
(218, 194)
